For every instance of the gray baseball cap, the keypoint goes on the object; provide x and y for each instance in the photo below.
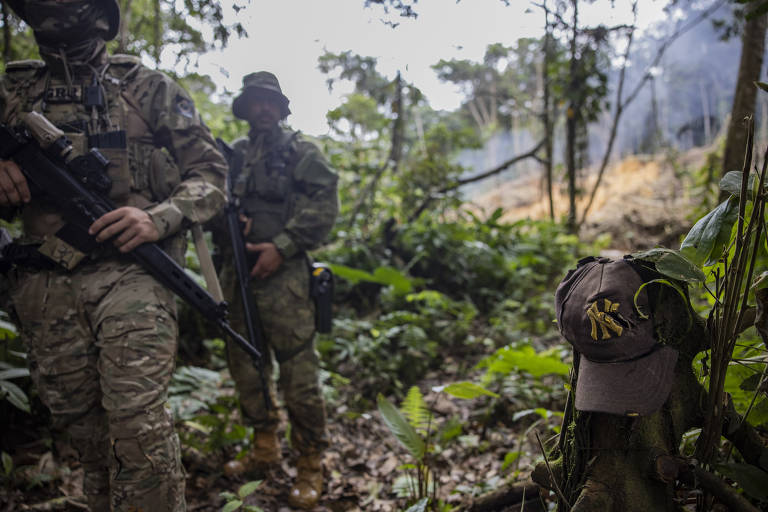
(603, 310)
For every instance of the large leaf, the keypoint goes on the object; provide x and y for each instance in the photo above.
(247, 489)
(387, 276)
(672, 264)
(731, 183)
(400, 428)
(14, 373)
(705, 241)
(467, 390)
(232, 506)
(15, 395)
(419, 506)
(752, 479)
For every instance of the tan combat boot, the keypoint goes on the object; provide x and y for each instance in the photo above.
(264, 455)
(306, 491)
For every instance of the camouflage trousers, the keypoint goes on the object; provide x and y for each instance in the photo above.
(288, 315)
(102, 345)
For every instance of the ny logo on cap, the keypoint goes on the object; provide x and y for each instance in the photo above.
(601, 318)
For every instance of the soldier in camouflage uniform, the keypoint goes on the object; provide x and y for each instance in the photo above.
(288, 194)
(101, 332)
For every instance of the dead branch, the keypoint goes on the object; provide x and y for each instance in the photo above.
(526, 494)
(477, 177)
(726, 494)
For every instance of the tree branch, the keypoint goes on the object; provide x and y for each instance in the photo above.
(477, 177)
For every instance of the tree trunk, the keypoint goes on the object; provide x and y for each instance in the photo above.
(157, 33)
(125, 23)
(545, 116)
(752, 48)
(571, 124)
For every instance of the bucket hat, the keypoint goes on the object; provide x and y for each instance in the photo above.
(261, 84)
(603, 310)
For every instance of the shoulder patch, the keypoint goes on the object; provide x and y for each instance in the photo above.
(122, 59)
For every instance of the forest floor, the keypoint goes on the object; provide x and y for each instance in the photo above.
(641, 203)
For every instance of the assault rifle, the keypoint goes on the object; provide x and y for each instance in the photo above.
(253, 325)
(77, 185)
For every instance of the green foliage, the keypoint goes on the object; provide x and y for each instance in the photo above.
(401, 427)
(706, 240)
(215, 110)
(10, 369)
(507, 359)
(191, 27)
(524, 378)
(415, 410)
(414, 427)
(236, 501)
(200, 402)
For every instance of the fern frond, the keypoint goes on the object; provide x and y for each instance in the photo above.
(416, 411)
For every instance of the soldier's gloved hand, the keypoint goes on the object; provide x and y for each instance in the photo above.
(269, 260)
(133, 225)
(13, 185)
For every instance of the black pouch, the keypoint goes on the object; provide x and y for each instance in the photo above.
(321, 291)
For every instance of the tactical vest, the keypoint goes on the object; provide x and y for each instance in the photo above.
(141, 173)
(266, 185)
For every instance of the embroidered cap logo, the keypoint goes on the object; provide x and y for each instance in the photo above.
(602, 318)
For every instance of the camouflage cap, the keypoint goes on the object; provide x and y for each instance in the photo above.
(110, 7)
(261, 84)
(603, 310)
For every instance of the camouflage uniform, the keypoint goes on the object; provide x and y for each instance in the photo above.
(289, 191)
(102, 333)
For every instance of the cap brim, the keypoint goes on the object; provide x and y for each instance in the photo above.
(640, 386)
(240, 104)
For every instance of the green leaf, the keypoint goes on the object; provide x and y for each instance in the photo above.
(7, 464)
(752, 479)
(394, 278)
(232, 505)
(248, 488)
(509, 459)
(387, 276)
(705, 241)
(762, 85)
(672, 264)
(731, 182)
(419, 506)
(14, 373)
(400, 428)
(15, 395)
(467, 390)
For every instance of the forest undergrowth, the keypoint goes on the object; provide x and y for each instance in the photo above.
(442, 374)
